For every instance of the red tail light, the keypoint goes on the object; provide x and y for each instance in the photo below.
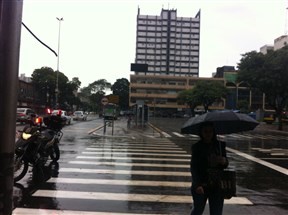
(38, 120)
(48, 110)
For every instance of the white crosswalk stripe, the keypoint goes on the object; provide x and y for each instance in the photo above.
(165, 134)
(128, 172)
(128, 197)
(237, 136)
(177, 134)
(132, 158)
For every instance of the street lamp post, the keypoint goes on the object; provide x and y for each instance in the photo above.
(58, 56)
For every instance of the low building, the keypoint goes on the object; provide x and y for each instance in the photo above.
(160, 92)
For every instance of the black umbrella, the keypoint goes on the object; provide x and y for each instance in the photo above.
(225, 122)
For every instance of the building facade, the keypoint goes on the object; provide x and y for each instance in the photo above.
(168, 44)
(169, 47)
(161, 92)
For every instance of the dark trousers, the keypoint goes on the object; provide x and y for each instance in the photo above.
(215, 199)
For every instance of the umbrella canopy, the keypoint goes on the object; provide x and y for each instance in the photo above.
(226, 122)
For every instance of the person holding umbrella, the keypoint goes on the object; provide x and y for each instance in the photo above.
(207, 161)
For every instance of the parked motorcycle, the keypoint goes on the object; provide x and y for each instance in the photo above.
(36, 143)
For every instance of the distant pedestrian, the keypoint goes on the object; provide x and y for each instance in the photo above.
(207, 162)
(129, 121)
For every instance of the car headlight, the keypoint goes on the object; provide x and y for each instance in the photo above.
(26, 136)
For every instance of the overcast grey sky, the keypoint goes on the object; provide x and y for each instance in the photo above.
(98, 38)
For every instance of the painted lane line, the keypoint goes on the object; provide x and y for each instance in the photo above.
(135, 153)
(132, 158)
(135, 150)
(177, 134)
(151, 144)
(128, 172)
(193, 135)
(257, 160)
(243, 136)
(27, 211)
(258, 136)
(130, 197)
(233, 136)
(113, 196)
(130, 164)
(280, 159)
(120, 182)
(158, 141)
(165, 134)
(135, 147)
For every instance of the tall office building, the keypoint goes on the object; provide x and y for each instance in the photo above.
(168, 44)
(167, 61)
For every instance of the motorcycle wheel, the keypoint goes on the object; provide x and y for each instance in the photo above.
(20, 168)
(55, 153)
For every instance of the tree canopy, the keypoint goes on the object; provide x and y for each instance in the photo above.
(269, 74)
(121, 88)
(71, 96)
(204, 93)
(44, 82)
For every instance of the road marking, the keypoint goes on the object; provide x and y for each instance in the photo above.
(135, 153)
(165, 134)
(120, 182)
(159, 142)
(115, 146)
(177, 134)
(125, 172)
(257, 160)
(193, 135)
(131, 158)
(95, 129)
(27, 211)
(135, 150)
(130, 197)
(130, 164)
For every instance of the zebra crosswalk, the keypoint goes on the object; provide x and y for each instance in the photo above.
(117, 178)
(244, 136)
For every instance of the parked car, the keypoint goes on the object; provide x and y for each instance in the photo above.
(79, 115)
(269, 116)
(64, 115)
(24, 115)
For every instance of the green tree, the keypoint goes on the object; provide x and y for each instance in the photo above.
(44, 82)
(188, 97)
(269, 74)
(121, 89)
(204, 93)
(93, 93)
(95, 100)
(99, 85)
(208, 92)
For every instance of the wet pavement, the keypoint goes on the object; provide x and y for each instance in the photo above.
(138, 171)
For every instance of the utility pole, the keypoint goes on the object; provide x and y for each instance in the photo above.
(57, 87)
(10, 34)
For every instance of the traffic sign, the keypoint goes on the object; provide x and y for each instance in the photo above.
(104, 101)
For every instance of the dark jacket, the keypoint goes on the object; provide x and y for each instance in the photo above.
(202, 161)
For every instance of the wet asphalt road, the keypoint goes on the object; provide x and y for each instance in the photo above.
(137, 172)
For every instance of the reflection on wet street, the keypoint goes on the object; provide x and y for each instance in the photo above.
(135, 171)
